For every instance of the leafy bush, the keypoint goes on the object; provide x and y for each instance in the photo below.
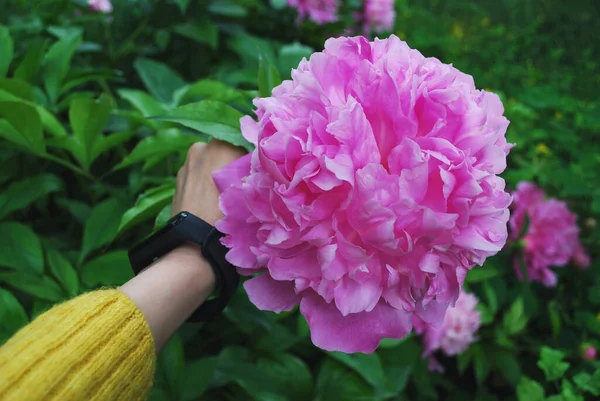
(97, 111)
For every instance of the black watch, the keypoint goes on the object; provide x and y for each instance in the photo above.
(181, 229)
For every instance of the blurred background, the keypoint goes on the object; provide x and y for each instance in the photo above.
(84, 174)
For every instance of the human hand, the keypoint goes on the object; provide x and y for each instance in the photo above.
(196, 191)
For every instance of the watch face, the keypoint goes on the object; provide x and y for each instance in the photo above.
(178, 218)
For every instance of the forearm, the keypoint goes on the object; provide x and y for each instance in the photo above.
(170, 290)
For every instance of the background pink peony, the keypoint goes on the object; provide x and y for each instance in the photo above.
(372, 190)
(379, 16)
(552, 236)
(319, 11)
(457, 331)
(103, 6)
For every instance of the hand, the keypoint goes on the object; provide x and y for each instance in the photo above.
(196, 191)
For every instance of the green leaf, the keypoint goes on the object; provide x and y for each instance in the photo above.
(48, 120)
(291, 55)
(586, 382)
(463, 360)
(276, 340)
(110, 141)
(227, 7)
(481, 363)
(80, 210)
(143, 102)
(399, 362)
(483, 273)
(213, 90)
(336, 382)
(165, 143)
(171, 362)
(64, 272)
(368, 366)
(26, 122)
(197, 377)
(507, 364)
(515, 319)
(160, 80)
(58, 61)
(551, 362)
(88, 119)
(555, 320)
(212, 118)
(6, 50)
(21, 248)
(111, 268)
(182, 4)
(203, 31)
(30, 66)
(101, 226)
(12, 314)
(21, 194)
(163, 216)
(288, 374)
(529, 390)
(268, 76)
(147, 206)
(19, 88)
(568, 392)
(38, 286)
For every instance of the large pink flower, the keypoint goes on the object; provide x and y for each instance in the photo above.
(319, 11)
(103, 6)
(379, 16)
(456, 332)
(551, 237)
(372, 190)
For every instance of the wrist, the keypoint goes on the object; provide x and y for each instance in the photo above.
(188, 262)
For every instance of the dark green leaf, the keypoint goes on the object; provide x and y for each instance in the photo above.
(110, 141)
(26, 123)
(529, 390)
(165, 142)
(143, 102)
(463, 360)
(481, 363)
(588, 383)
(268, 76)
(88, 119)
(368, 366)
(80, 210)
(112, 268)
(203, 31)
(19, 195)
(483, 273)
(227, 7)
(555, 320)
(508, 365)
(515, 319)
(336, 382)
(551, 362)
(172, 362)
(19, 88)
(288, 374)
(291, 55)
(212, 118)
(58, 61)
(63, 271)
(183, 5)
(48, 120)
(196, 378)
(399, 363)
(6, 50)
(246, 316)
(101, 226)
(276, 340)
(12, 314)
(160, 80)
(147, 206)
(30, 66)
(21, 248)
(38, 286)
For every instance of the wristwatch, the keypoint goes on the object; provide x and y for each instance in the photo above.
(184, 228)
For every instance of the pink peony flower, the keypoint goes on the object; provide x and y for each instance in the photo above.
(588, 353)
(456, 332)
(319, 11)
(379, 16)
(103, 6)
(372, 190)
(552, 237)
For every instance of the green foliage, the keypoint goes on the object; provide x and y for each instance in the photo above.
(97, 112)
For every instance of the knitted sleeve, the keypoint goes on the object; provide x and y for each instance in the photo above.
(95, 347)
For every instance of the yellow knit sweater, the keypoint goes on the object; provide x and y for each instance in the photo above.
(97, 346)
